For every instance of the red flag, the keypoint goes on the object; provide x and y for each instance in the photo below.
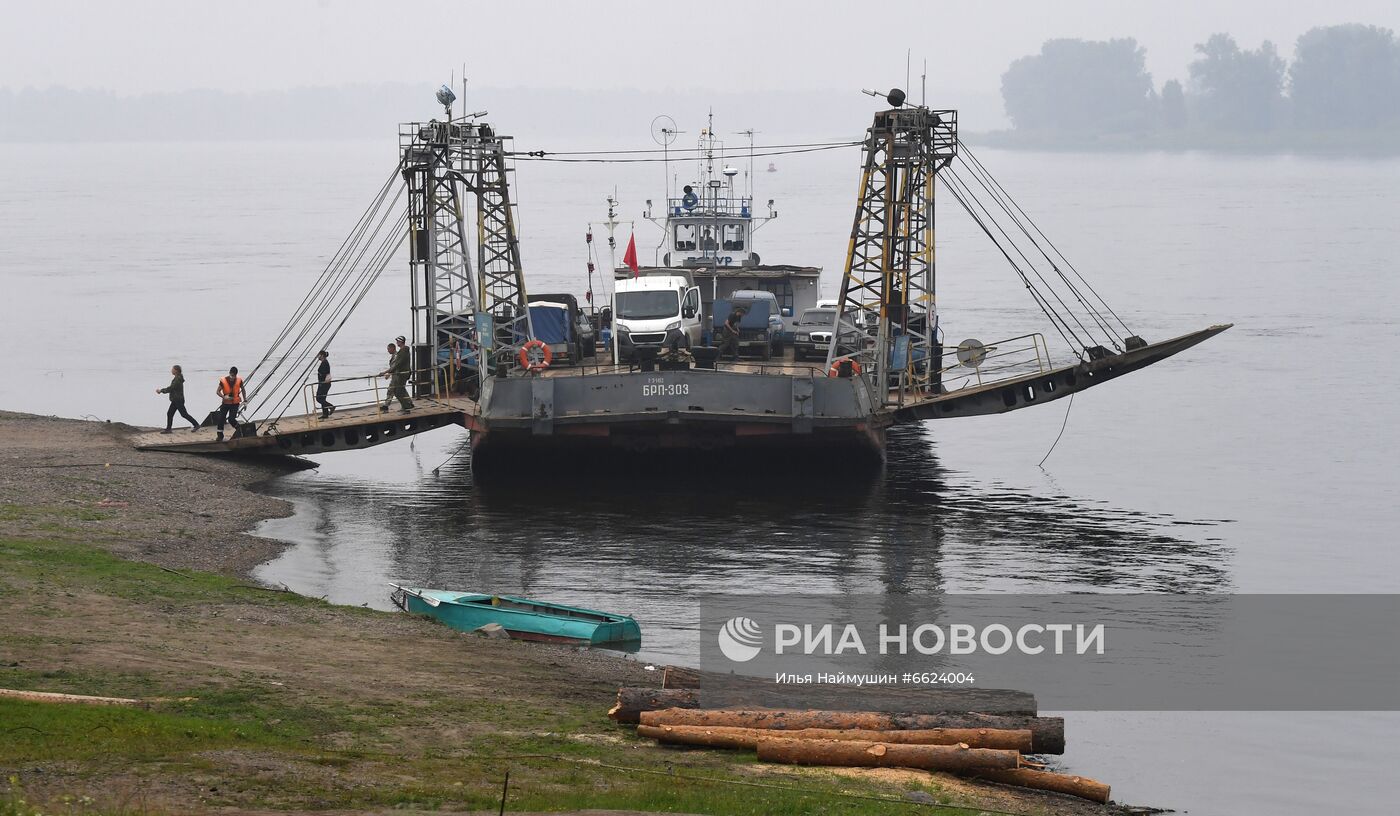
(630, 256)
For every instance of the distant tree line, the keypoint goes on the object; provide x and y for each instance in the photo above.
(1343, 80)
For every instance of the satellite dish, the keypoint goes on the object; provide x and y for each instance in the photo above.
(445, 98)
(971, 353)
(663, 130)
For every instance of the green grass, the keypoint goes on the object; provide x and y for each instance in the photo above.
(35, 732)
(64, 566)
(324, 751)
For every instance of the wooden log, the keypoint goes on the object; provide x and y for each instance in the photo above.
(1047, 733)
(748, 738)
(858, 754)
(734, 691)
(1080, 786)
(56, 697)
(631, 702)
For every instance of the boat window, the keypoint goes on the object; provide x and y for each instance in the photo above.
(707, 239)
(734, 237)
(652, 305)
(685, 237)
(782, 290)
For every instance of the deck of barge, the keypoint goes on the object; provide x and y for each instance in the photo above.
(781, 402)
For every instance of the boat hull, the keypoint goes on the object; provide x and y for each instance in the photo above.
(521, 618)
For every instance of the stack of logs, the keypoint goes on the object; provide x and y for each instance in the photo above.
(931, 733)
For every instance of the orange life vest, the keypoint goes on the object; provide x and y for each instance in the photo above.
(233, 390)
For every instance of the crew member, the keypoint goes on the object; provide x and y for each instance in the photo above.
(400, 367)
(323, 386)
(176, 390)
(230, 391)
(729, 333)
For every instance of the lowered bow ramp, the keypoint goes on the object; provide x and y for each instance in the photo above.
(1034, 389)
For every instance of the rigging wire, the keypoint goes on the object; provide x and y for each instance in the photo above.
(550, 158)
(1035, 294)
(963, 148)
(393, 240)
(298, 348)
(1048, 287)
(331, 266)
(964, 194)
(1063, 425)
(668, 150)
(1098, 318)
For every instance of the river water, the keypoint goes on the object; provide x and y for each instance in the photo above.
(1261, 461)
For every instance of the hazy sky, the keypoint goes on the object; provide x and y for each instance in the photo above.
(136, 46)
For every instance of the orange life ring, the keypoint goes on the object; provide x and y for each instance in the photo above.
(535, 365)
(835, 370)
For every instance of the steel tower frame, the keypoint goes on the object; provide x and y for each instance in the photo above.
(890, 269)
(447, 165)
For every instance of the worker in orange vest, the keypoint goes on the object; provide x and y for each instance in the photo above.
(231, 392)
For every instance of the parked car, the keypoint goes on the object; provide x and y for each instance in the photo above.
(864, 318)
(775, 319)
(812, 333)
(755, 327)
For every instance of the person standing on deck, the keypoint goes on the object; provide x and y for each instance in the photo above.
(323, 387)
(176, 390)
(400, 367)
(729, 333)
(230, 390)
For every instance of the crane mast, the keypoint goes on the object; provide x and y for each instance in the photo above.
(477, 312)
(889, 274)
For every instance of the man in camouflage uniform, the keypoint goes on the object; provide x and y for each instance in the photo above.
(399, 370)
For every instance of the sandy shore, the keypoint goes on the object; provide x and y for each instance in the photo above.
(309, 705)
(180, 511)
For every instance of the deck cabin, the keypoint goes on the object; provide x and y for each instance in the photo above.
(796, 287)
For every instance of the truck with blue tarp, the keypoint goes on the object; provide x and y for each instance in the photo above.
(560, 324)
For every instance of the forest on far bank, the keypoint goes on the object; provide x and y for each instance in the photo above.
(1339, 93)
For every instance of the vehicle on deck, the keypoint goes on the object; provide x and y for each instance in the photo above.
(560, 324)
(811, 336)
(756, 336)
(866, 319)
(645, 308)
(776, 328)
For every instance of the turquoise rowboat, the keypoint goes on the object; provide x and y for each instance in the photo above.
(521, 618)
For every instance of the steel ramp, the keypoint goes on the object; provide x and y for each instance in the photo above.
(347, 429)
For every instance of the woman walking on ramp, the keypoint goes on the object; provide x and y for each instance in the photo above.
(176, 390)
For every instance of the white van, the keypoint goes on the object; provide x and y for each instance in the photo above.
(646, 308)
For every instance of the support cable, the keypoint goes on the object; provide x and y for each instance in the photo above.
(393, 240)
(295, 347)
(1035, 294)
(949, 173)
(1097, 318)
(299, 348)
(336, 261)
(1050, 243)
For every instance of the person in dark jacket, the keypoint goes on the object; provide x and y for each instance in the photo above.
(323, 387)
(729, 333)
(176, 390)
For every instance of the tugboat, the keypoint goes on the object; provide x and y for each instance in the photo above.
(707, 250)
